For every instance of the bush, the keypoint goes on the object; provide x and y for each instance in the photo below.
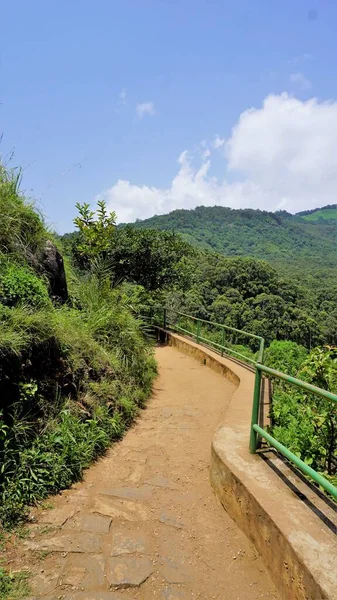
(22, 231)
(19, 285)
(303, 422)
(71, 378)
(285, 356)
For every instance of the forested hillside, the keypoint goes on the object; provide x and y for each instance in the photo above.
(293, 244)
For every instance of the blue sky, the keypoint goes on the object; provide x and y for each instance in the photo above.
(123, 100)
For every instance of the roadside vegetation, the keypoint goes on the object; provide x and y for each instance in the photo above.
(73, 373)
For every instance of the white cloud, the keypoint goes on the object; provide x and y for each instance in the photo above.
(122, 96)
(301, 58)
(218, 142)
(283, 156)
(145, 108)
(302, 81)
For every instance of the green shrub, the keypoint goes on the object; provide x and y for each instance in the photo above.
(72, 378)
(303, 422)
(22, 231)
(13, 586)
(20, 285)
(54, 459)
(285, 356)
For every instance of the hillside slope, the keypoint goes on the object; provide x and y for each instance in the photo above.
(326, 213)
(292, 244)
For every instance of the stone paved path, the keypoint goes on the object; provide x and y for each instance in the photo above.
(145, 524)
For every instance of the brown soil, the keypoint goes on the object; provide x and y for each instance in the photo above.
(145, 523)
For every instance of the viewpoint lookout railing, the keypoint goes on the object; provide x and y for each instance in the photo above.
(218, 336)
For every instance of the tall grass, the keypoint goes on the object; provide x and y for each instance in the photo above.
(71, 378)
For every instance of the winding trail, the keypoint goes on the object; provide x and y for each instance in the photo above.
(145, 524)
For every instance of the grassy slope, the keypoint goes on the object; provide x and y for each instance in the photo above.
(71, 377)
(290, 243)
(327, 214)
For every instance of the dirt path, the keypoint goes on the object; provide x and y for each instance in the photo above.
(145, 515)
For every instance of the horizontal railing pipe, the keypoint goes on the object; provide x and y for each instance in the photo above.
(298, 383)
(324, 483)
(257, 337)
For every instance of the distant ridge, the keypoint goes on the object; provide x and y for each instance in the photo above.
(304, 245)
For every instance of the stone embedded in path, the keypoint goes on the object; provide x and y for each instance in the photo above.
(129, 571)
(172, 572)
(69, 542)
(129, 542)
(59, 515)
(117, 508)
(84, 571)
(168, 520)
(45, 583)
(162, 482)
(131, 493)
(96, 523)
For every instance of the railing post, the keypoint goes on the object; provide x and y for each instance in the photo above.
(255, 410)
(164, 318)
(261, 351)
(198, 332)
(222, 341)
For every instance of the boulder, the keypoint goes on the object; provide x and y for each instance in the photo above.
(52, 263)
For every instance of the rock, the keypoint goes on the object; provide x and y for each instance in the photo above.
(172, 572)
(82, 542)
(123, 509)
(86, 572)
(168, 520)
(162, 482)
(129, 542)
(52, 263)
(131, 493)
(129, 571)
(171, 593)
(96, 523)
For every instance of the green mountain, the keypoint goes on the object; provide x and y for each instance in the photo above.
(326, 213)
(296, 245)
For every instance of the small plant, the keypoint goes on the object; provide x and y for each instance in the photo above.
(14, 585)
(94, 234)
(20, 285)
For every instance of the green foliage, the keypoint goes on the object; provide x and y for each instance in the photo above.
(147, 258)
(296, 247)
(240, 292)
(303, 422)
(13, 586)
(20, 285)
(249, 294)
(326, 213)
(285, 356)
(95, 235)
(72, 377)
(22, 232)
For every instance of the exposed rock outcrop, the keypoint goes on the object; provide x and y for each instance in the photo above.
(52, 263)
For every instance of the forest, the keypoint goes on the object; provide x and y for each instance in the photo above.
(76, 357)
(299, 246)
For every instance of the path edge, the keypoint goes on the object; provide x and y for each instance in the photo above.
(304, 566)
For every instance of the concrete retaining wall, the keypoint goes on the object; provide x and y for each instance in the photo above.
(291, 526)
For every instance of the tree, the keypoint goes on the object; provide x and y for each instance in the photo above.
(95, 235)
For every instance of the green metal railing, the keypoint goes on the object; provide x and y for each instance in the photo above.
(256, 431)
(197, 335)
